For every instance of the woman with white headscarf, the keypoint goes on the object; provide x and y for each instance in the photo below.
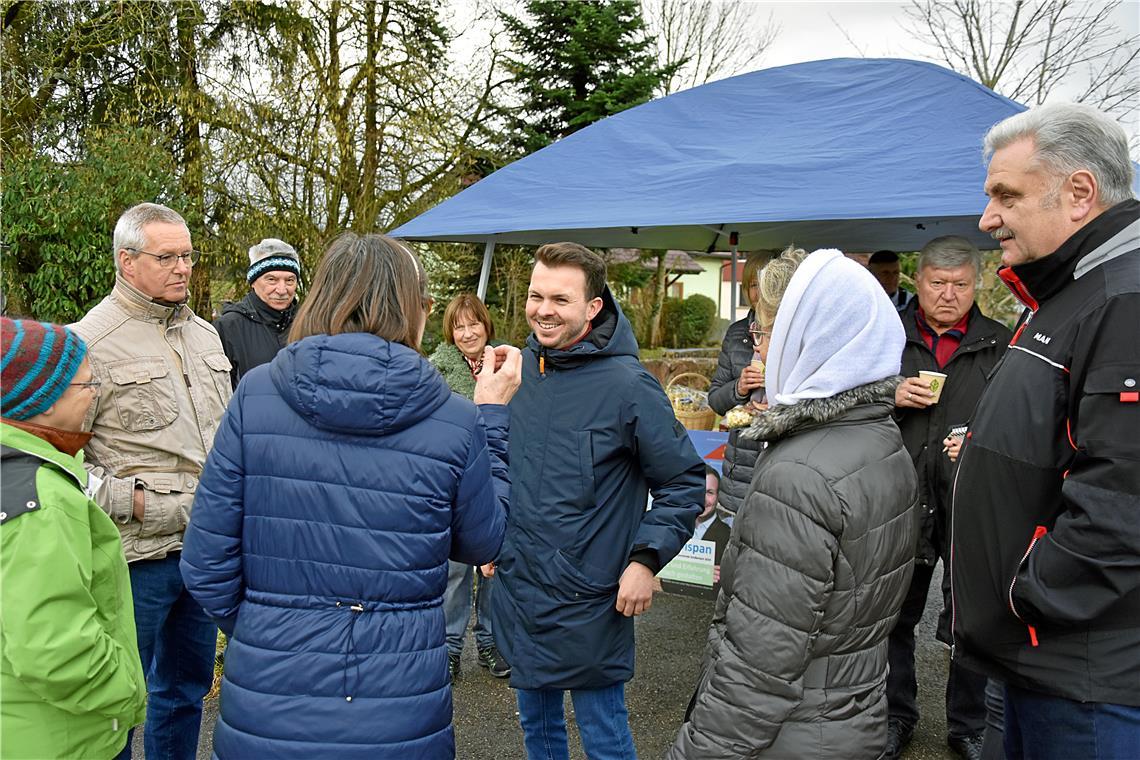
(821, 550)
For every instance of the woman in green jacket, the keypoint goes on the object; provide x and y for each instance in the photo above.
(467, 330)
(70, 676)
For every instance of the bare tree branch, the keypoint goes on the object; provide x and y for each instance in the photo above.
(1029, 50)
(714, 39)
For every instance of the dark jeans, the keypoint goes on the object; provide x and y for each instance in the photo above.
(965, 701)
(176, 645)
(601, 715)
(1044, 727)
(992, 741)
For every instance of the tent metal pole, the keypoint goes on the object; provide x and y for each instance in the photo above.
(732, 302)
(485, 272)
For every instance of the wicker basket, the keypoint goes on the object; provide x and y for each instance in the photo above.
(700, 419)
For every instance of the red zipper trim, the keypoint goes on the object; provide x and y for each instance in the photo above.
(1069, 433)
(1014, 283)
(1038, 533)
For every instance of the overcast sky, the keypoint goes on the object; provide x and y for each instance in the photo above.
(812, 30)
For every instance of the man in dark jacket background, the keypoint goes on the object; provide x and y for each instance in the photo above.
(255, 328)
(1046, 531)
(592, 433)
(947, 333)
(885, 266)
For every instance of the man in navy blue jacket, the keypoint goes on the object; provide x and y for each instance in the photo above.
(592, 433)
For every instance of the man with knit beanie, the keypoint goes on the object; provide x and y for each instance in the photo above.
(165, 384)
(255, 328)
(69, 668)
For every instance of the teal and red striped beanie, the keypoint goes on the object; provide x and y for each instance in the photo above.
(39, 361)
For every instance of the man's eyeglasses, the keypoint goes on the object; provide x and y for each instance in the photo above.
(89, 384)
(166, 260)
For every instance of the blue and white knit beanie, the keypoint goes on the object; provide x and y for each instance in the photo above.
(272, 255)
(39, 361)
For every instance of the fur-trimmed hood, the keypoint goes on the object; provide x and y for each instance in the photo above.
(779, 421)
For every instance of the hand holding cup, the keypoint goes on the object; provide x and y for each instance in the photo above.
(501, 375)
(751, 378)
(914, 393)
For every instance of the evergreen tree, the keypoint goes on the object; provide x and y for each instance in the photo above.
(576, 63)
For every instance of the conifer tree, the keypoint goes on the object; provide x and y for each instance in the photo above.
(575, 63)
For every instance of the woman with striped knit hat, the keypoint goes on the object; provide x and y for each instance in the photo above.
(69, 665)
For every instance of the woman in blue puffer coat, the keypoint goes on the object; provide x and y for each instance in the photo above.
(344, 476)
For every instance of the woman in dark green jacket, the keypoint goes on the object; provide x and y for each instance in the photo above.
(467, 330)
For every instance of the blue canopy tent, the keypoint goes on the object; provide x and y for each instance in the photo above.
(855, 153)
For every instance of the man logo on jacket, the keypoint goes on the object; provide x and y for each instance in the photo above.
(1046, 528)
(592, 433)
(165, 382)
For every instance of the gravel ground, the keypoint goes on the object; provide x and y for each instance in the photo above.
(670, 638)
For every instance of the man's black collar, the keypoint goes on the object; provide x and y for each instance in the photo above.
(1044, 277)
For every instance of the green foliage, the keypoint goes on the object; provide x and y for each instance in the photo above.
(59, 218)
(577, 63)
(71, 65)
(687, 323)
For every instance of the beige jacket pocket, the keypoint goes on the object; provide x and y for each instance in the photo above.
(144, 393)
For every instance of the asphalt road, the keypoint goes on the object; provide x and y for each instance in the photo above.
(670, 639)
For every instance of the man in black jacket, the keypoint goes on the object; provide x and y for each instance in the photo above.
(945, 332)
(255, 328)
(885, 266)
(1046, 529)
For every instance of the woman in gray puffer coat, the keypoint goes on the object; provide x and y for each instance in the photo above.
(822, 548)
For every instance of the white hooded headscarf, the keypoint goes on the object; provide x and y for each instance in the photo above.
(835, 329)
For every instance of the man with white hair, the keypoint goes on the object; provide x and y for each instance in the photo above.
(165, 383)
(1046, 528)
(255, 328)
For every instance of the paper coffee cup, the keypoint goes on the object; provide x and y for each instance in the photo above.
(937, 382)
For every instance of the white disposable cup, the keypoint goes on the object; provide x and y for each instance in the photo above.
(937, 382)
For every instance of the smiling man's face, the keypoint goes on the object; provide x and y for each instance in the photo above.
(557, 307)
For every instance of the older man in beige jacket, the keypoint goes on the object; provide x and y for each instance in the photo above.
(164, 386)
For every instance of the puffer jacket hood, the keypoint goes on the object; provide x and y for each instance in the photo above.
(779, 421)
(357, 383)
